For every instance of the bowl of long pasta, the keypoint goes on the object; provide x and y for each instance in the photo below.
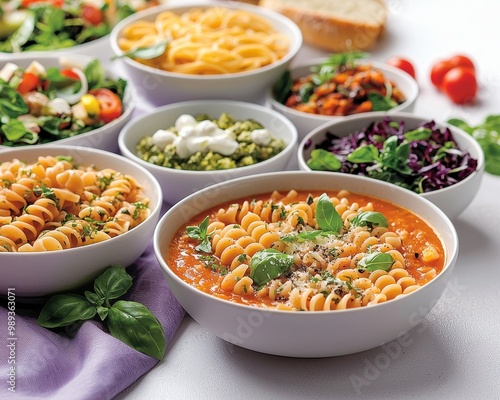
(306, 264)
(224, 50)
(67, 213)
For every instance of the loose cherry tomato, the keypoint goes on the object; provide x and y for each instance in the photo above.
(460, 85)
(460, 60)
(438, 72)
(68, 73)
(29, 82)
(92, 14)
(403, 64)
(110, 104)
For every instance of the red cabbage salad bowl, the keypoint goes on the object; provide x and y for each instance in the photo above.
(438, 161)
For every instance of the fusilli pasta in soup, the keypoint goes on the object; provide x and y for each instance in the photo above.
(54, 204)
(307, 251)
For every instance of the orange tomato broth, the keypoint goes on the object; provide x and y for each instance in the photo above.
(185, 261)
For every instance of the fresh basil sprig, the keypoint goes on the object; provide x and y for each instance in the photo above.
(200, 233)
(268, 264)
(327, 216)
(131, 322)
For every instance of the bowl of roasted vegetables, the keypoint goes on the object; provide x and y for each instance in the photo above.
(328, 89)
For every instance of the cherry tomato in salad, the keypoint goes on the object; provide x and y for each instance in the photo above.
(460, 85)
(402, 64)
(110, 104)
(29, 82)
(92, 14)
(68, 73)
(55, 3)
(460, 60)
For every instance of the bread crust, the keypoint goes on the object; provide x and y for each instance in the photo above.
(329, 32)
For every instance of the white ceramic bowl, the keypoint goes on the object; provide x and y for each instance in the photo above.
(162, 87)
(177, 184)
(45, 273)
(306, 122)
(306, 334)
(105, 137)
(452, 199)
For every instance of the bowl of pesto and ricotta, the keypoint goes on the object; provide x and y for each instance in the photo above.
(194, 144)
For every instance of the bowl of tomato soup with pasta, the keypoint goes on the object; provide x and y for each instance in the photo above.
(224, 50)
(268, 262)
(69, 212)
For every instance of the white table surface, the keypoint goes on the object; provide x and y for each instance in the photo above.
(455, 352)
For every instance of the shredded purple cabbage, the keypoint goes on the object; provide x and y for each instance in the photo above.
(435, 163)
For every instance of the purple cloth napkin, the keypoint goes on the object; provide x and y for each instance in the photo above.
(92, 364)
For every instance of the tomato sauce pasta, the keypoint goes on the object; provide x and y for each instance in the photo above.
(215, 40)
(307, 251)
(53, 204)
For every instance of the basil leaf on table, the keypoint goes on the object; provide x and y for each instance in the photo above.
(129, 321)
(113, 283)
(135, 325)
(64, 309)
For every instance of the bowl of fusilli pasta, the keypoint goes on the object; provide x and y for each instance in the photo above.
(225, 50)
(67, 213)
(306, 264)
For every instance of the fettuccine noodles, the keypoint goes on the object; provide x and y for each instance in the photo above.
(215, 40)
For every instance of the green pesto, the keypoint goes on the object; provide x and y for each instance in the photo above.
(247, 153)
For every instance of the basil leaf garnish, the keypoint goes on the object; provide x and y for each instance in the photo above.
(135, 325)
(146, 53)
(370, 219)
(268, 264)
(64, 309)
(327, 216)
(374, 261)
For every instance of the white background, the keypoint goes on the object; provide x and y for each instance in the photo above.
(455, 352)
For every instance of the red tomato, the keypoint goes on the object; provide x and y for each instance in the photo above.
(55, 3)
(92, 14)
(460, 60)
(403, 64)
(29, 82)
(68, 73)
(460, 85)
(109, 103)
(438, 72)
